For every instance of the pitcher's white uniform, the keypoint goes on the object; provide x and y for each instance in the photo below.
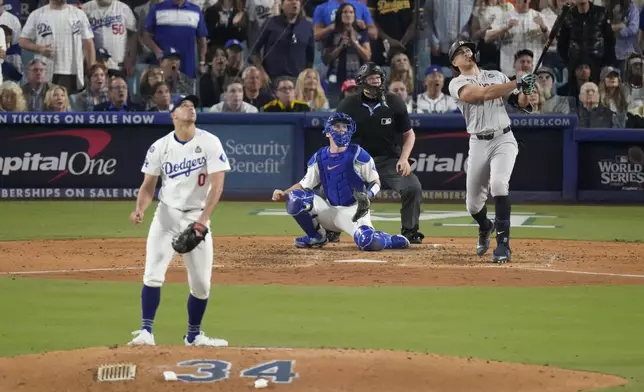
(184, 170)
(491, 160)
(338, 218)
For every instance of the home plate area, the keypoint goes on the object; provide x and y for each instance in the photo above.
(310, 370)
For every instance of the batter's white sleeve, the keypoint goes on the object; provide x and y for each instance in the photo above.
(455, 86)
(312, 177)
(216, 158)
(86, 30)
(368, 171)
(152, 163)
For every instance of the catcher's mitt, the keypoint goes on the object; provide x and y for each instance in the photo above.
(363, 204)
(188, 239)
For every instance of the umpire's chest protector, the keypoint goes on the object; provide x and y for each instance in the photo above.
(338, 175)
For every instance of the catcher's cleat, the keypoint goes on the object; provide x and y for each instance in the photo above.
(413, 235)
(483, 243)
(333, 236)
(311, 242)
(143, 338)
(502, 254)
(202, 340)
(399, 241)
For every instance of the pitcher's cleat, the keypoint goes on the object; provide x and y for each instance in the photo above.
(483, 243)
(142, 338)
(502, 254)
(202, 340)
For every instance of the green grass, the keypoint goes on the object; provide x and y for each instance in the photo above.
(596, 329)
(588, 328)
(38, 220)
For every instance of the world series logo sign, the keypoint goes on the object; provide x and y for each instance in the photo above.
(624, 171)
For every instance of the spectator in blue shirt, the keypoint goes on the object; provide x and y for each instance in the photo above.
(324, 18)
(178, 24)
(286, 46)
(119, 99)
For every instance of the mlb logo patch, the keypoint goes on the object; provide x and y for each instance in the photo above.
(223, 157)
(385, 121)
(198, 149)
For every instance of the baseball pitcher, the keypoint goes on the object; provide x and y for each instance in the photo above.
(493, 149)
(344, 169)
(191, 163)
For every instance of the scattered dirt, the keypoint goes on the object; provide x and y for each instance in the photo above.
(317, 370)
(273, 260)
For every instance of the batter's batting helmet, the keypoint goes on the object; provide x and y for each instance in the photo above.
(342, 139)
(456, 45)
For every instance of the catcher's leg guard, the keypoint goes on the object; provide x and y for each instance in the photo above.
(299, 205)
(367, 238)
(396, 241)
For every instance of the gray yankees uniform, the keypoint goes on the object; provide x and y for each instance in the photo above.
(493, 148)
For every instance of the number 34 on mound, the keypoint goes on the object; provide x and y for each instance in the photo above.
(213, 370)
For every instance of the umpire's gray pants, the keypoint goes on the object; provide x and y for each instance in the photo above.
(408, 187)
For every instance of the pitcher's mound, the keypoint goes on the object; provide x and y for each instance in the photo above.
(236, 369)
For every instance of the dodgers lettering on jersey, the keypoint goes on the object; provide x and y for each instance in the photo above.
(110, 26)
(184, 168)
(340, 173)
(484, 116)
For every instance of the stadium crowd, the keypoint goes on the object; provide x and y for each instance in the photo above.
(293, 56)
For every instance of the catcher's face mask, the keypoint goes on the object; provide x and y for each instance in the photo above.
(340, 134)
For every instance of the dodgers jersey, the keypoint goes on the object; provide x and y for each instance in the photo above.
(110, 26)
(484, 116)
(339, 173)
(184, 168)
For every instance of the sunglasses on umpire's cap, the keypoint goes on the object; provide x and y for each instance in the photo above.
(182, 98)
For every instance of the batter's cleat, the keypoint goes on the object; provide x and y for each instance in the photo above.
(202, 340)
(143, 338)
(333, 236)
(399, 241)
(502, 254)
(414, 236)
(311, 242)
(484, 239)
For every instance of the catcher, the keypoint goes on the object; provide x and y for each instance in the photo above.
(350, 180)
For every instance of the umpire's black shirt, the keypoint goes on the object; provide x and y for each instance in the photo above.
(378, 127)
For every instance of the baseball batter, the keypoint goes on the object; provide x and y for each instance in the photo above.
(344, 169)
(191, 163)
(480, 97)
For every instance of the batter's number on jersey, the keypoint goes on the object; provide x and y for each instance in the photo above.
(213, 370)
(118, 29)
(201, 179)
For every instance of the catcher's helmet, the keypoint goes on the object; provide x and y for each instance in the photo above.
(456, 45)
(369, 69)
(341, 127)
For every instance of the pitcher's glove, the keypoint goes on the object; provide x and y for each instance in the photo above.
(363, 204)
(526, 83)
(188, 239)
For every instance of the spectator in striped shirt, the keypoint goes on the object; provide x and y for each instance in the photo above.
(177, 24)
(60, 35)
(14, 53)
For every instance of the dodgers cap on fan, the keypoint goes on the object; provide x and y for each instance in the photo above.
(176, 102)
(433, 68)
(171, 52)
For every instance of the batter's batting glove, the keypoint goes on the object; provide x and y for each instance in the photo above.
(526, 83)
(363, 204)
(188, 239)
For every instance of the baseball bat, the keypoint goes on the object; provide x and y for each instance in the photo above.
(553, 34)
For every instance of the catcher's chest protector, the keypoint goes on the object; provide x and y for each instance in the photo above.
(338, 175)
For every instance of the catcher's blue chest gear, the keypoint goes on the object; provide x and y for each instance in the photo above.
(338, 175)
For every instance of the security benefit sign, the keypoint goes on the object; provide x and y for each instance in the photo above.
(38, 158)
(260, 156)
(611, 166)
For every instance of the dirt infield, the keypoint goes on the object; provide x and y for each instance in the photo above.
(273, 260)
